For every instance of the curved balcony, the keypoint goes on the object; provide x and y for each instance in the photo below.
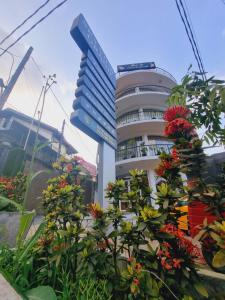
(142, 151)
(144, 88)
(142, 96)
(139, 157)
(140, 123)
(139, 116)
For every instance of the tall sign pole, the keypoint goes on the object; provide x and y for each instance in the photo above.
(94, 106)
(4, 96)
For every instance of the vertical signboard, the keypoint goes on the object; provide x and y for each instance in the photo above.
(94, 106)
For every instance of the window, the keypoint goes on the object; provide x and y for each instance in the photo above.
(3, 122)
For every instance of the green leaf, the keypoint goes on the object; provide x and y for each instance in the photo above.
(25, 222)
(201, 289)
(219, 259)
(41, 293)
(30, 243)
(4, 202)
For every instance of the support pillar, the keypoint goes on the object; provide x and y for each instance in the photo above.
(152, 184)
(106, 171)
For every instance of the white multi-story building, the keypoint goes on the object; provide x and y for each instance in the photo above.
(140, 103)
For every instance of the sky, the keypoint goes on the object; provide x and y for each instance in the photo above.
(129, 31)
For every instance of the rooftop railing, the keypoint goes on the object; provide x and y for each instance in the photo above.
(139, 116)
(143, 89)
(142, 151)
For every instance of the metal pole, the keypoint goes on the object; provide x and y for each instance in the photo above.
(14, 78)
(61, 139)
(29, 132)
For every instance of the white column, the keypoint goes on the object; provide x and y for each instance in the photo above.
(106, 171)
(152, 184)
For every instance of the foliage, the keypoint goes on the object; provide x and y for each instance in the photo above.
(13, 188)
(188, 157)
(206, 101)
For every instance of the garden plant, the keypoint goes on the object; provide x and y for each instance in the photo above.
(87, 252)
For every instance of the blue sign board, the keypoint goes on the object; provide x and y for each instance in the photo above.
(133, 67)
(85, 39)
(87, 124)
(95, 96)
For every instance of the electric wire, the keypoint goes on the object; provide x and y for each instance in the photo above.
(33, 26)
(190, 40)
(68, 118)
(11, 67)
(21, 24)
(190, 26)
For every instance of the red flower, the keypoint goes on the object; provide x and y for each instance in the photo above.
(138, 267)
(69, 168)
(62, 184)
(192, 183)
(175, 112)
(169, 228)
(160, 171)
(175, 155)
(178, 126)
(130, 259)
(176, 263)
(167, 165)
(136, 281)
(167, 245)
(165, 264)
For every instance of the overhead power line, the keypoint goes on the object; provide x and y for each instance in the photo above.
(190, 34)
(33, 26)
(21, 24)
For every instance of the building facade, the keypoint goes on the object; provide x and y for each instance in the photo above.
(140, 103)
(18, 130)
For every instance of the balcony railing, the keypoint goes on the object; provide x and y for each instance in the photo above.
(144, 88)
(142, 151)
(139, 116)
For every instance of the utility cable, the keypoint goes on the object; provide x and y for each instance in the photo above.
(190, 40)
(68, 118)
(21, 24)
(33, 26)
(193, 38)
(11, 67)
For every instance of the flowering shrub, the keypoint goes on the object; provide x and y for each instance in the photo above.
(13, 189)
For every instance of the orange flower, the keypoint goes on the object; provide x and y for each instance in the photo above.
(175, 112)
